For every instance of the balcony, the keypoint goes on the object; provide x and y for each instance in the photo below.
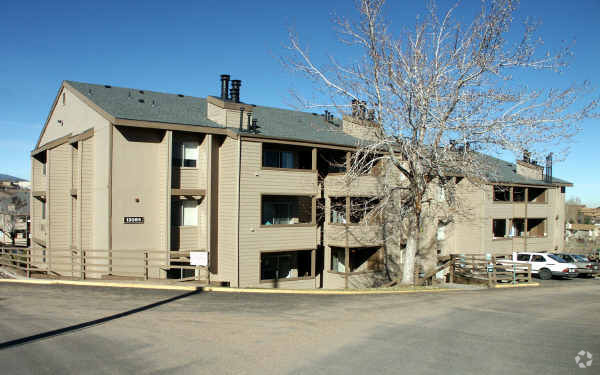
(337, 184)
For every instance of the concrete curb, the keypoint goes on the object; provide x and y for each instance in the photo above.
(101, 284)
(323, 292)
(517, 285)
(222, 289)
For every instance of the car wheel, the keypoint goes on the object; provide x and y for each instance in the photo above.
(545, 274)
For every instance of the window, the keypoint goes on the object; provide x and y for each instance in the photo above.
(278, 159)
(277, 156)
(285, 209)
(43, 210)
(536, 227)
(557, 258)
(338, 210)
(185, 154)
(501, 193)
(538, 258)
(537, 195)
(331, 161)
(43, 169)
(365, 259)
(338, 259)
(184, 212)
(361, 259)
(499, 228)
(361, 210)
(518, 228)
(518, 194)
(285, 265)
(523, 257)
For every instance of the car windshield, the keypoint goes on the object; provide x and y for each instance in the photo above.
(557, 258)
(581, 258)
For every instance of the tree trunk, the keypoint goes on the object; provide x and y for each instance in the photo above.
(410, 254)
(408, 263)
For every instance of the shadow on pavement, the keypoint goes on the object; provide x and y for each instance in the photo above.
(62, 331)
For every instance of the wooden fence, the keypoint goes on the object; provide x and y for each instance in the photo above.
(144, 264)
(480, 269)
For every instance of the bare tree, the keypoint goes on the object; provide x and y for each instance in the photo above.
(437, 98)
(11, 216)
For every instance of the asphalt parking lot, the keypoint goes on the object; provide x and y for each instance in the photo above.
(66, 329)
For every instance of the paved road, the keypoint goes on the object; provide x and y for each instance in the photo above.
(517, 331)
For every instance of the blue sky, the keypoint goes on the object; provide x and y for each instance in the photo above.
(182, 47)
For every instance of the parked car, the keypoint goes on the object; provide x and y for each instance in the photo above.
(582, 267)
(594, 266)
(546, 265)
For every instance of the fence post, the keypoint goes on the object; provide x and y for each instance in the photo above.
(528, 273)
(494, 278)
(28, 264)
(110, 261)
(82, 265)
(145, 265)
(451, 269)
(514, 273)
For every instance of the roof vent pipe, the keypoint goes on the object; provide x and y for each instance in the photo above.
(241, 116)
(548, 177)
(224, 86)
(235, 90)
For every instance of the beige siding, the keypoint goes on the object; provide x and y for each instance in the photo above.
(472, 232)
(226, 117)
(75, 117)
(191, 237)
(338, 185)
(530, 171)
(40, 182)
(138, 188)
(292, 284)
(59, 197)
(353, 235)
(254, 238)
(86, 195)
(59, 208)
(227, 227)
(331, 280)
(163, 196)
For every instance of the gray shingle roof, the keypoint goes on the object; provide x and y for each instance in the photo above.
(503, 171)
(125, 103)
(144, 105)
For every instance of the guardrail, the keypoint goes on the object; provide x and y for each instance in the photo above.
(145, 264)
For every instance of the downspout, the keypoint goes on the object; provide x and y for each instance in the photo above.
(239, 173)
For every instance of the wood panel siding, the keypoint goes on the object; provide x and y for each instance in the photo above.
(59, 209)
(191, 237)
(255, 238)
(190, 177)
(353, 235)
(40, 181)
(163, 196)
(72, 117)
(86, 149)
(227, 206)
(337, 185)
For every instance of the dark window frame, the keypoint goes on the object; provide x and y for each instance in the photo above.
(279, 254)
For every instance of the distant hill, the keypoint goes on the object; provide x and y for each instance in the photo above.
(5, 177)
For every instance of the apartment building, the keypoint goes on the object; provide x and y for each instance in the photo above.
(119, 172)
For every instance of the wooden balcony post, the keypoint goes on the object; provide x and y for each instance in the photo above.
(145, 265)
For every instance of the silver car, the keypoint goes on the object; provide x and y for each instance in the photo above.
(583, 265)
